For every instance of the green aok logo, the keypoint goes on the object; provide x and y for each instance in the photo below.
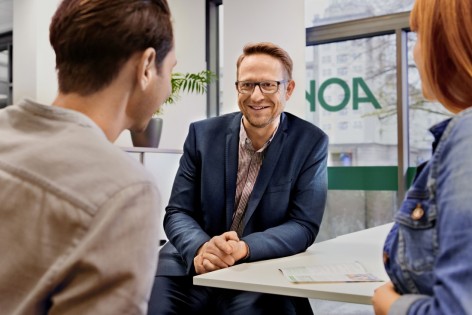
(357, 85)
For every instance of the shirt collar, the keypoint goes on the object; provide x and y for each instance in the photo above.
(246, 143)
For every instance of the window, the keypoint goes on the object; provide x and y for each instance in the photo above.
(343, 125)
(323, 12)
(357, 124)
(326, 126)
(341, 158)
(342, 58)
(326, 59)
(357, 69)
(369, 93)
(363, 164)
(342, 71)
(326, 72)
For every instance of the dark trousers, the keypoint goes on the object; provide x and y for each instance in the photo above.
(177, 295)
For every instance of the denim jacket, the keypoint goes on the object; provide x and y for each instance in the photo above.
(428, 252)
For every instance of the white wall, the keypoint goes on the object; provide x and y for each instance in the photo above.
(278, 21)
(189, 32)
(34, 73)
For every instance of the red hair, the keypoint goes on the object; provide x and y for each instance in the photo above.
(444, 30)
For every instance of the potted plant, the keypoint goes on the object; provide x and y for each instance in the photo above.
(181, 82)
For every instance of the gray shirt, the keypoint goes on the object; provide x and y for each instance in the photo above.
(78, 217)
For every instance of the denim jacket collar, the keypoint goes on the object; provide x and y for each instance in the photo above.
(438, 130)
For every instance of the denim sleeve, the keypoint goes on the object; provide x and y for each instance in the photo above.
(451, 174)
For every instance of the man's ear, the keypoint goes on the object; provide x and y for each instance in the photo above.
(146, 67)
(290, 88)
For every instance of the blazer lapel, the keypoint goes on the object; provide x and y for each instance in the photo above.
(231, 166)
(267, 169)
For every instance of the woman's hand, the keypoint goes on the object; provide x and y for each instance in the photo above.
(383, 298)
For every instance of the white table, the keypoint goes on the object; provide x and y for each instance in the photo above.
(264, 276)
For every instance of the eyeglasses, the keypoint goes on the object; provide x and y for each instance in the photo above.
(266, 87)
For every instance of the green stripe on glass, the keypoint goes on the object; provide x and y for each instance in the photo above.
(366, 177)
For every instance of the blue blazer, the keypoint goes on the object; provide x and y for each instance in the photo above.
(285, 208)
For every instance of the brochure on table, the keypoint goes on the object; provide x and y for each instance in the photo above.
(338, 272)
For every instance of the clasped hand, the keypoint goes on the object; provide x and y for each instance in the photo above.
(221, 251)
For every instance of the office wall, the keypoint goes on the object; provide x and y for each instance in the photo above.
(278, 21)
(33, 58)
(189, 31)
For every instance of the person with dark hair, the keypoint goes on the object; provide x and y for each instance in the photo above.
(428, 252)
(78, 216)
(251, 186)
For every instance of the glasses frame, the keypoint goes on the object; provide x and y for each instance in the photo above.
(259, 85)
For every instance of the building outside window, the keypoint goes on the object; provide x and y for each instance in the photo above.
(362, 100)
(323, 12)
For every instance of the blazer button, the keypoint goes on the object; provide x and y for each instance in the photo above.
(417, 213)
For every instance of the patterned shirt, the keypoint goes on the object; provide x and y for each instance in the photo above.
(250, 162)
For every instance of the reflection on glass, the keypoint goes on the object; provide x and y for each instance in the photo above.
(349, 211)
(322, 12)
(422, 114)
(351, 92)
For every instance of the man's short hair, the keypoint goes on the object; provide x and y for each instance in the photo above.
(270, 49)
(93, 39)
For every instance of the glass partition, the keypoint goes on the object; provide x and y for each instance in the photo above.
(351, 95)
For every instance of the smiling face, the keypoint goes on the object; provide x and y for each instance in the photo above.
(261, 111)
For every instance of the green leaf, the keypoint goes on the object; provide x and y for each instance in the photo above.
(189, 83)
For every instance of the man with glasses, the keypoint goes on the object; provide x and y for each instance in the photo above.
(251, 186)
